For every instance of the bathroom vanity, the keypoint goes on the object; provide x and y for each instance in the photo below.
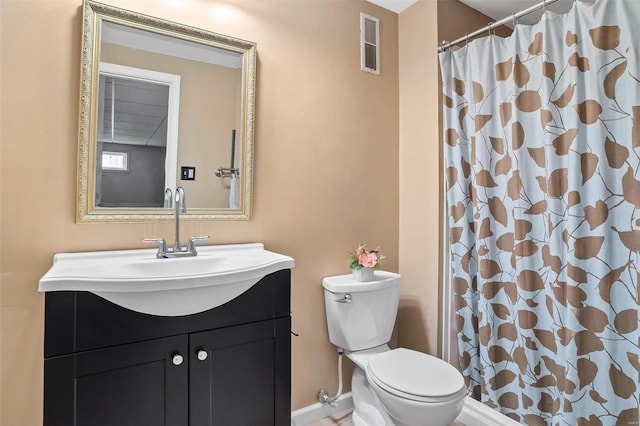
(106, 364)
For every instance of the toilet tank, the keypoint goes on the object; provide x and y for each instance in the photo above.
(367, 320)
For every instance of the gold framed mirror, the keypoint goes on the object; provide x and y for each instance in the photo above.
(163, 105)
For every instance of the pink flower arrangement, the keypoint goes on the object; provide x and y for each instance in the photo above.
(363, 258)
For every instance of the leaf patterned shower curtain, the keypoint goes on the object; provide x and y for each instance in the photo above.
(542, 158)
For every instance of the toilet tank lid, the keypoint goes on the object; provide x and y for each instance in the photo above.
(346, 284)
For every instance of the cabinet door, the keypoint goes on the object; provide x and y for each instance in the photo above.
(245, 378)
(136, 384)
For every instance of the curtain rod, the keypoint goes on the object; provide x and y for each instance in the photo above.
(542, 5)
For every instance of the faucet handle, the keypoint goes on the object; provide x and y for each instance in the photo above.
(191, 245)
(194, 239)
(160, 242)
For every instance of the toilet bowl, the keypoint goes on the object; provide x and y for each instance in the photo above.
(416, 388)
(398, 387)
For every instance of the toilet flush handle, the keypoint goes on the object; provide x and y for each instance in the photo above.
(345, 299)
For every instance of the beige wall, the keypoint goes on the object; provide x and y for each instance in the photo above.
(206, 122)
(326, 164)
(419, 177)
(421, 28)
(466, 20)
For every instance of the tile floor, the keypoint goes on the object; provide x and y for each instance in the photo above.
(343, 418)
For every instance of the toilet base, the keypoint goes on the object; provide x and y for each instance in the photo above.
(367, 408)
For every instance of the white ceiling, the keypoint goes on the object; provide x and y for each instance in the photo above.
(496, 9)
(499, 9)
(394, 5)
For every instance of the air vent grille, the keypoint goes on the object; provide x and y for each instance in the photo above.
(369, 44)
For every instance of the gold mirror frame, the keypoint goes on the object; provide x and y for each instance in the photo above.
(93, 15)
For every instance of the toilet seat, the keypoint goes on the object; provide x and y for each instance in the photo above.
(415, 376)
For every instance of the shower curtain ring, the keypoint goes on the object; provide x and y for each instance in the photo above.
(544, 6)
(466, 39)
(513, 17)
(489, 25)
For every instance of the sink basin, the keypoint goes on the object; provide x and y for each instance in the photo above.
(203, 264)
(137, 280)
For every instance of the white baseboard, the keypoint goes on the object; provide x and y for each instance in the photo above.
(314, 412)
(473, 413)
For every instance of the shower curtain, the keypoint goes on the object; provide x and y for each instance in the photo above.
(542, 160)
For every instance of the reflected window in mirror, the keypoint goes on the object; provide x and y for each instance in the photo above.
(115, 161)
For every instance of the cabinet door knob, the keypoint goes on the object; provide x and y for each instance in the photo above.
(177, 359)
(202, 354)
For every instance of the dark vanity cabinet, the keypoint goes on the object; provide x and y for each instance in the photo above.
(107, 365)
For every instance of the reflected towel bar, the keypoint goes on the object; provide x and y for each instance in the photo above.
(224, 172)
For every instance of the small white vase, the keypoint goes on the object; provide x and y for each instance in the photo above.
(362, 275)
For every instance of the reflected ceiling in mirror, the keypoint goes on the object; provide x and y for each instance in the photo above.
(163, 105)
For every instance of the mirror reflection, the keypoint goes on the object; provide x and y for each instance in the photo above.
(170, 106)
(132, 143)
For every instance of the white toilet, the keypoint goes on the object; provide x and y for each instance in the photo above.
(389, 387)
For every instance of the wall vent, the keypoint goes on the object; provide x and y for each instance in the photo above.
(369, 44)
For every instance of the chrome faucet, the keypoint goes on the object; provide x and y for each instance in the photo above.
(177, 250)
(181, 207)
(168, 198)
